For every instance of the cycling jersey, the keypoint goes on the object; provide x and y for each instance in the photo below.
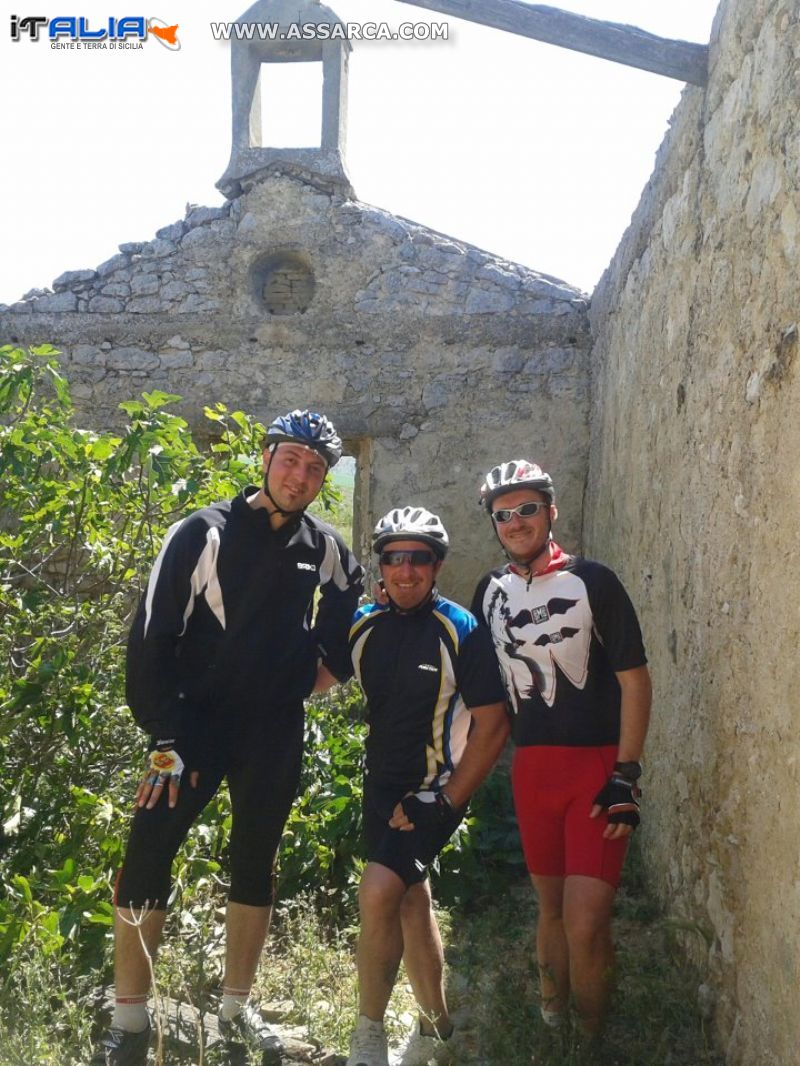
(561, 636)
(421, 671)
(226, 626)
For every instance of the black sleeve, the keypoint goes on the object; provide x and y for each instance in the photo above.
(152, 686)
(341, 585)
(476, 606)
(479, 680)
(614, 618)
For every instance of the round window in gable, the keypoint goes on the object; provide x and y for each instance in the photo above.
(283, 283)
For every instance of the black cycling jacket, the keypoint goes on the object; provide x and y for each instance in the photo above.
(227, 625)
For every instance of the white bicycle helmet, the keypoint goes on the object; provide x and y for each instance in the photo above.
(515, 474)
(411, 523)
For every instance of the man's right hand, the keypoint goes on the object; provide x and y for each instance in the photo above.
(424, 809)
(165, 767)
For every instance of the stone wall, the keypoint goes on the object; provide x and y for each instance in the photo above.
(435, 359)
(694, 496)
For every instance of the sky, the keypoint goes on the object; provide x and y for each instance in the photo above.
(532, 152)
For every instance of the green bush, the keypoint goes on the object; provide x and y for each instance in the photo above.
(82, 516)
(485, 854)
(321, 843)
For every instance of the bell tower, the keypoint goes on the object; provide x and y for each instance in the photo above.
(287, 31)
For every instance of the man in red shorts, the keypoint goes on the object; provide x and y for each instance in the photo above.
(575, 669)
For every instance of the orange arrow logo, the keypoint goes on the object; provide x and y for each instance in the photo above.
(165, 33)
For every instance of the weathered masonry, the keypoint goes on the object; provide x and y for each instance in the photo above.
(694, 495)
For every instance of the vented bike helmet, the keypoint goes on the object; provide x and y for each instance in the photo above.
(515, 474)
(411, 523)
(310, 429)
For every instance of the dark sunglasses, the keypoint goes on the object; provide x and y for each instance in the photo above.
(417, 557)
(525, 510)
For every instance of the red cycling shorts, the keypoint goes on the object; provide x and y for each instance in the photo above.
(554, 789)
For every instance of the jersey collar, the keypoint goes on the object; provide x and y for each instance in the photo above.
(558, 560)
(424, 608)
(259, 518)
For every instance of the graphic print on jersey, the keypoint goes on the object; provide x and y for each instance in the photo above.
(557, 637)
(542, 613)
(561, 638)
(534, 646)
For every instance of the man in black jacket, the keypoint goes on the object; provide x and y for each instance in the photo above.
(223, 650)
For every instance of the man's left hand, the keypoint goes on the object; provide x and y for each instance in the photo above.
(620, 797)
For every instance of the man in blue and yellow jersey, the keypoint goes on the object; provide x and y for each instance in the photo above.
(436, 709)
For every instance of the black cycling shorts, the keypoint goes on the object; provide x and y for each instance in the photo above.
(410, 852)
(261, 760)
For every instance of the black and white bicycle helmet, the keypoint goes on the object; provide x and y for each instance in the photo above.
(411, 523)
(515, 474)
(310, 429)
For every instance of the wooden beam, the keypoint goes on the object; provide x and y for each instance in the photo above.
(682, 60)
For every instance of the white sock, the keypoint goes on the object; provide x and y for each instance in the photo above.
(130, 1014)
(369, 1023)
(232, 1002)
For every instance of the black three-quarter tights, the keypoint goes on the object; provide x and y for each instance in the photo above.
(261, 761)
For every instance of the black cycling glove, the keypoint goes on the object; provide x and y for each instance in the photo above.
(428, 810)
(620, 797)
